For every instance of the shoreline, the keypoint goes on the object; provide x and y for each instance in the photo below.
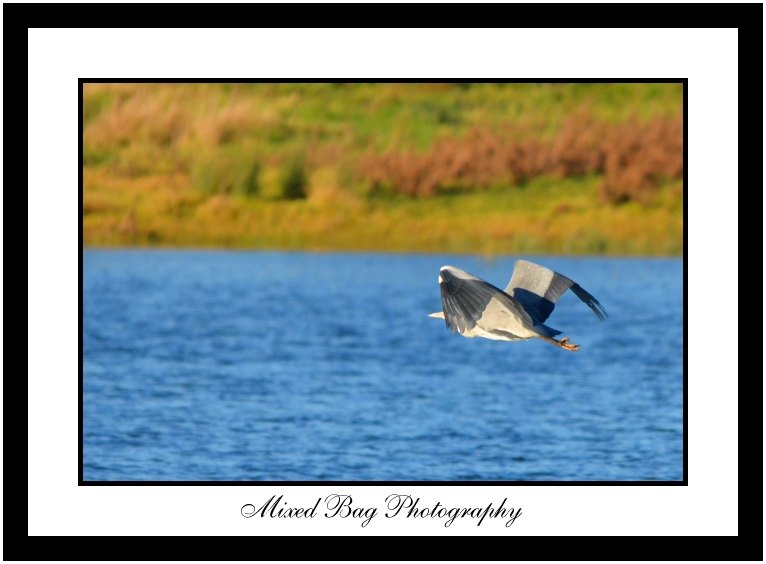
(323, 251)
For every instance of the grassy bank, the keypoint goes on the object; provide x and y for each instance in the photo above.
(590, 169)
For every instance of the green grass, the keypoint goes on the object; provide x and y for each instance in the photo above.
(273, 166)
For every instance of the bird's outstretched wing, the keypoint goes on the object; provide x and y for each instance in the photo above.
(538, 289)
(467, 299)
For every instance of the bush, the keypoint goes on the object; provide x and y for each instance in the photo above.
(633, 157)
(251, 186)
(293, 180)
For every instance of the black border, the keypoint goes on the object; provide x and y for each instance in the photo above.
(746, 18)
(683, 482)
(80, 326)
(686, 283)
(463, 15)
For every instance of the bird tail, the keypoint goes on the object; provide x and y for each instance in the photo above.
(546, 331)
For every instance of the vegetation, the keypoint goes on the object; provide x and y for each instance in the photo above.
(569, 168)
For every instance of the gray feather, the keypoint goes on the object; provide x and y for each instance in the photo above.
(465, 299)
(538, 289)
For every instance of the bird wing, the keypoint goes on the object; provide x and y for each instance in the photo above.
(468, 299)
(538, 289)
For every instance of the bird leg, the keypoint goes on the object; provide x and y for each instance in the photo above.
(563, 343)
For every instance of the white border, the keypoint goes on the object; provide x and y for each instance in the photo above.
(58, 57)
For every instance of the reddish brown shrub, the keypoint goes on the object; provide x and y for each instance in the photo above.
(638, 156)
(633, 157)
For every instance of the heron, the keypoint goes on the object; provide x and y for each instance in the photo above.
(476, 308)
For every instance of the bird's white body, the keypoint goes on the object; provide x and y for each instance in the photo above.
(475, 308)
(495, 316)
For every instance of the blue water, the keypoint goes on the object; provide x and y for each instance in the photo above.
(299, 366)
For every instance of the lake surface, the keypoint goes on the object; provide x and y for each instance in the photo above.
(299, 366)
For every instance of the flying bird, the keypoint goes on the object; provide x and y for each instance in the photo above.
(475, 308)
